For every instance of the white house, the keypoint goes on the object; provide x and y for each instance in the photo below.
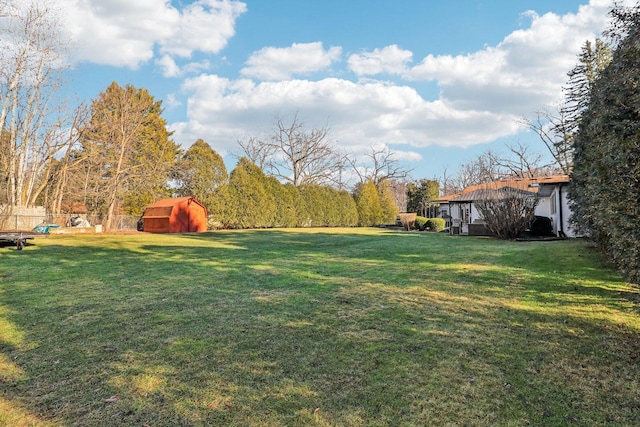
(550, 190)
(554, 197)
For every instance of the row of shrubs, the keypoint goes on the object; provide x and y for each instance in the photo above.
(430, 224)
(250, 199)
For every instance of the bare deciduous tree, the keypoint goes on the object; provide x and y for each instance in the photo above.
(399, 189)
(31, 61)
(490, 166)
(295, 155)
(557, 127)
(521, 162)
(380, 164)
(256, 151)
(55, 183)
(478, 171)
(553, 130)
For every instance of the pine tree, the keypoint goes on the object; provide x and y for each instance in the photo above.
(254, 204)
(368, 203)
(199, 173)
(605, 184)
(387, 202)
(127, 150)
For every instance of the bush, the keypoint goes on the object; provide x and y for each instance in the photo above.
(421, 222)
(435, 224)
(407, 219)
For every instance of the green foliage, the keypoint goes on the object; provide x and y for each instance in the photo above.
(315, 205)
(134, 202)
(222, 213)
(368, 204)
(126, 155)
(421, 222)
(199, 173)
(327, 207)
(387, 202)
(429, 224)
(421, 194)
(435, 224)
(605, 186)
(287, 201)
(347, 209)
(254, 204)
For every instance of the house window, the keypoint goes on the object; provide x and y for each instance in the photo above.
(554, 207)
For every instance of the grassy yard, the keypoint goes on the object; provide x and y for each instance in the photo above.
(326, 327)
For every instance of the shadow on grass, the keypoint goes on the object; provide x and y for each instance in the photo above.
(282, 328)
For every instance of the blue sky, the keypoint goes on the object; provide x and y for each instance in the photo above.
(438, 82)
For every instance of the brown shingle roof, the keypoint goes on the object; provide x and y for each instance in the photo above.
(491, 193)
(526, 184)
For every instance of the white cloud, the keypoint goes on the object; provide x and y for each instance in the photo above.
(124, 33)
(271, 63)
(390, 59)
(172, 101)
(205, 26)
(522, 73)
(168, 66)
(481, 95)
(358, 113)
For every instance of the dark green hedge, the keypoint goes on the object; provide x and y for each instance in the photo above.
(605, 183)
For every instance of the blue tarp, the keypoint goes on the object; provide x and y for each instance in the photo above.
(44, 228)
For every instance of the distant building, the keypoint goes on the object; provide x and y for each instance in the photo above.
(177, 215)
(551, 192)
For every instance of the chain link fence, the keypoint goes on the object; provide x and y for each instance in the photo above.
(118, 222)
(27, 218)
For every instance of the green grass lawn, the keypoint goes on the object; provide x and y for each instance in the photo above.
(328, 327)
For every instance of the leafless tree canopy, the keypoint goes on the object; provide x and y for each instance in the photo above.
(556, 127)
(553, 130)
(296, 155)
(519, 162)
(31, 59)
(256, 151)
(380, 164)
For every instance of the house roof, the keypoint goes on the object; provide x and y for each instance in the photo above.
(447, 198)
(525, 184)
(491, 193)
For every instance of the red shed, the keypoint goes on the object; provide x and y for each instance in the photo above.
(178, 215)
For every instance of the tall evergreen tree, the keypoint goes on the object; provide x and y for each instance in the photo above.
(605, 184)
(254, 204)
(199, 173)
(368, 203)
(127, 149)
(421, 196)
(387, 202)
